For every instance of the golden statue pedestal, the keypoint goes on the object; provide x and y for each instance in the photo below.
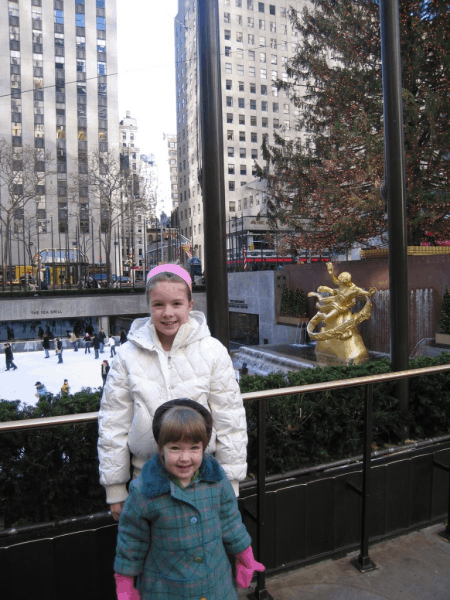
(342, 352)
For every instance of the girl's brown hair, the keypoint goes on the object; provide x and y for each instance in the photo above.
(165, 276)
(182, 424)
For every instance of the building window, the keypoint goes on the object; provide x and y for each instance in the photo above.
(251, 39)
(253, 121)
(252, 72)
(230, 169)
(227, 50)
(283, 12)
(262, 42)
(240, 69)
(264, 106)
(229, 117)
(262, 25)
(226, 18)
(241, 86)
(230, 135)
(80, 20)
(254, 154)
(101, 23)
(250, 4)
(227, 34)
(242, 136)
(283, 29)
(253, 88)
(228, 68)
(276, 123)
(251, 55)
(286, 108)
(252, 104)
(229, 101)
(250, 22)
(239, 19)
(265, 122)
(232, 206)
(275, 107)
(262, 57)
(242, 153)
(241, 119)
(59, 16)
(230, 151)
(254, 138)
(228, 84)
(239, 37)
(263, 73)
(261, 7)
(243, 170)
(241, 102)
(274, 91)
(231, 186)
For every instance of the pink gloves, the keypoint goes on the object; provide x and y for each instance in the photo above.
(246, 565)
(125, 587)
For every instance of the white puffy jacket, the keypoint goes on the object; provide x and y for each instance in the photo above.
(143, 376)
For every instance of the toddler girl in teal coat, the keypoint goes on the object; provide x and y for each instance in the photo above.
(181, 518)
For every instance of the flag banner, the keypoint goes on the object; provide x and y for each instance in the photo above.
(245, 257)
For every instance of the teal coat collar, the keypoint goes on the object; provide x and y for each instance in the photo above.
(155, 479)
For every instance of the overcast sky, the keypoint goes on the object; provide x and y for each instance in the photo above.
(147, 68)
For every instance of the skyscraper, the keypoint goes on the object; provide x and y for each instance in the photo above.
(58, 89)
(256, 40)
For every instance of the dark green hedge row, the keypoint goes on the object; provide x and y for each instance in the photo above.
(51, 474)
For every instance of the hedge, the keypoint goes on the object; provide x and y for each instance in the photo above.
(52, 474)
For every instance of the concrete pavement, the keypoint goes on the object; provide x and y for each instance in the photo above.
(412, 567)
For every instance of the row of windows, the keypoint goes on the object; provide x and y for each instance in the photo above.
(260, 22)
(274, 43)
(253, 123)
(253, 106)
(252, 72)
(251, 55)
(260, 5)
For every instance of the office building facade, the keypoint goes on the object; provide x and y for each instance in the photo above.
(256, 40)
(58, 88)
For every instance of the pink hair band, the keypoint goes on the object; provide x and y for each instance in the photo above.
(169, 268)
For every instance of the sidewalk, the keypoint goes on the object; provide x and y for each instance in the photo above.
(411, 567)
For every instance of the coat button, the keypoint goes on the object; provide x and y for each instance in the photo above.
(199, 559)
(194, 520)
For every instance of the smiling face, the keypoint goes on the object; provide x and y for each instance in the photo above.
(182, 459)
(169, 307)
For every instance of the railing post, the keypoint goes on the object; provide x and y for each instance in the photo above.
(445, 533)
(260, 592)
(363, 562)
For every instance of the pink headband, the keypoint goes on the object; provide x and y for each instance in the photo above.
(169, 268)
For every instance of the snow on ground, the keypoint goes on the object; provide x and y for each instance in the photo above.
(82, 370)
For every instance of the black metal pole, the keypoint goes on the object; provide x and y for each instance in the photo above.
(395, 183)
(260, 592)
(213, 185)
(363, 562)
(53, 256)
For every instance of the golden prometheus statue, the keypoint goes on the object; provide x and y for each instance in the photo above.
(339, 341)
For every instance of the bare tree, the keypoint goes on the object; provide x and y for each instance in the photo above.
(107, 180)
(23, 173)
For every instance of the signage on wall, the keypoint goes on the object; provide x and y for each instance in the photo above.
(238, 304)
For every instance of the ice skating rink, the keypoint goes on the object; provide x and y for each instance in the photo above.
(82, 370)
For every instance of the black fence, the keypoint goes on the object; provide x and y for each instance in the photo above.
(294, 519)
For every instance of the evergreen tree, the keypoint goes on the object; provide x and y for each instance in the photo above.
(299, 303)
(444, 321)
(287, 302)
(327, 187)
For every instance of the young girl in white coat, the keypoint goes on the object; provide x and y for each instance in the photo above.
(167, 356)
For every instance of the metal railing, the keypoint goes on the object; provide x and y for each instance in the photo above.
(362, 562)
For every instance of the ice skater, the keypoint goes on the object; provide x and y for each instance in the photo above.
(65, 388)
(87, 348)
(46, 345)
(9, 357)
(112, 345)
(96, 344)
(40, 390)
(105, 371)
(59, 350)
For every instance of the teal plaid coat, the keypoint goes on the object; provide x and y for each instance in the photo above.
(176, 540)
